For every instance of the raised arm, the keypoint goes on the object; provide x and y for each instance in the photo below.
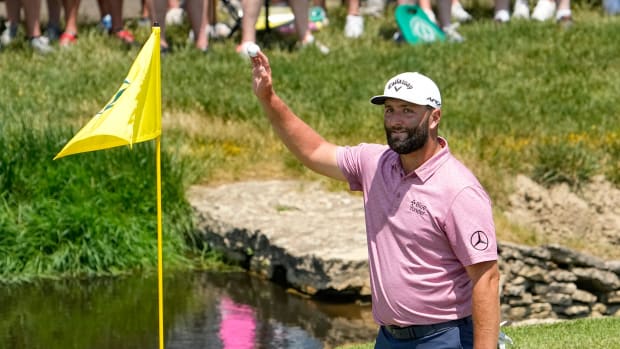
(304, 142)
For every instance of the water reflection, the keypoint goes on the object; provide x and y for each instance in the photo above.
(202, 310)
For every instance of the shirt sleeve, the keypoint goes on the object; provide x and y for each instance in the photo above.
(348, 159)
(470, 228)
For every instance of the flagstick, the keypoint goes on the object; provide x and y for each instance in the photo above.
(108, 129)
(160, 282)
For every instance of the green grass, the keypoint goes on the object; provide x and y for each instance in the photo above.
(93, 214)
(577, 334)
(525, 97)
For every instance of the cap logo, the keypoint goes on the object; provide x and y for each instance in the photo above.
(433, 100)
(399, 82)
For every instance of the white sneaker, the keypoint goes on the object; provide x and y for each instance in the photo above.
(41, 44)
(562, 14)
(354, 28)
(431, 15)
(544, 10)
(221, 30)
(451, 34)
(459, 13)
(217, 31)
(174, 16)
(502, 16)
(521, 9)
(9, 33)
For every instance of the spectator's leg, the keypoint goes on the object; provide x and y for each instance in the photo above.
(353, 7)
(158, 14)
(118, 22)
(145, 6)
(71, 15)
(53, 21)
(211, 9)
(115, 8)
(69, 36)
(32, 11)
(197, 12)
(444, 12)
(300, 10)
(251, 10)
(104, 7)
(13, 8)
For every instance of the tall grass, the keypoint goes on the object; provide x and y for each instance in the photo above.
(525, 97)
(89, 215)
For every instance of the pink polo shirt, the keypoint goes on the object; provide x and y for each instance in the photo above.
(422, 229)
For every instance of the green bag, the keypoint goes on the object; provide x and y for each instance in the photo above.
(415, 26)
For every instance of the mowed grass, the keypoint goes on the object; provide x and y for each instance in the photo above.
(525, 97)
(576, 334)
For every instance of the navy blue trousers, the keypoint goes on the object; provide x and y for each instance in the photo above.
(459, 337)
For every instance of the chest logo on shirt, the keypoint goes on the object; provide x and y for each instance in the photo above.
(416, 206)
(479, 240)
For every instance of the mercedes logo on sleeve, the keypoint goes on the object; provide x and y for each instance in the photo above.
(479, 240)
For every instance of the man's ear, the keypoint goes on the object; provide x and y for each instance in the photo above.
(435, 118)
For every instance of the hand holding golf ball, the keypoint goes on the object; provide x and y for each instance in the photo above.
(253, 50)
(261, 73)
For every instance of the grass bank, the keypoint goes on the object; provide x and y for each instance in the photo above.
(525, 97)
(577, 334)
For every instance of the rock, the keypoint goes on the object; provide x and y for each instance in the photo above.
(292, 231)
(596, 280)
(613, 297)
(563, 287)
(613, 266)
(562, 276)
(563, 255)
(584, 297)
(559, 299)
(577, 311)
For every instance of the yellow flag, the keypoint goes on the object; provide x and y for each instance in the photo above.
(133, 114)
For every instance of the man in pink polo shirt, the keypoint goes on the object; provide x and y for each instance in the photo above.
(429, 224)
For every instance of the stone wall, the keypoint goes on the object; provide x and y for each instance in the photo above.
(554, 282)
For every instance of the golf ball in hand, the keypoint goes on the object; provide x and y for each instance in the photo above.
(253, 50)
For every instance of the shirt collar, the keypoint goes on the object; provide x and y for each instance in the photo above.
(431, 165)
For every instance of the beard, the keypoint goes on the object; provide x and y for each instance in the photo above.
(413, 139)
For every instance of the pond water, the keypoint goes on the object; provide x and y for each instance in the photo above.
(201, 310)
